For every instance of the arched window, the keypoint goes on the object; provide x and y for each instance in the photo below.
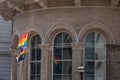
(95, 57)
(62, 57)
(35, 58)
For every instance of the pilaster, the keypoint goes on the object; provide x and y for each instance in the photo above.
(14, 64)
(44, 61)
(24, 68)
(77, 59)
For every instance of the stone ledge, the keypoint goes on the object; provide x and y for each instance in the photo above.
(114, 47)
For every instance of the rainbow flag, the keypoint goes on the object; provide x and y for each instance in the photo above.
(56, 60)
(22, 46)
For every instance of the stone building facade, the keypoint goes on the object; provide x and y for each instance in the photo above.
(64, 34)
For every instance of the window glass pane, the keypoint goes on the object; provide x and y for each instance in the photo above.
(67, 67)
(100, 70)
(57, 53)
(66, 38)
(99, 38)
(89, 67)
(38, 40)
(35, 71)
(67, 53)
(57, 77)
(33, 42)
(57, 67)
(100, 46)
(33, 77)
(38, 68)
(89, 46)
(67, 77)
(38, 54)
(32, 54)
(90, 38)
(89, 53)
(58, 40)
(89, 77)
(89, 70)
(100, 53)
(38, 77)
(33, 66)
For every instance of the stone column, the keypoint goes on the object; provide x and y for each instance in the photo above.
(44, 61)
(24, 68)
(13, 64)
(77, 59)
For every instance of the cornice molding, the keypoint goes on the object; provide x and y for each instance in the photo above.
(21, 6)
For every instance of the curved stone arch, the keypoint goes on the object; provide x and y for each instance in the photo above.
(35, 30)
(16, 32)
(15, 39)
(96, 26)
(60, 27)
(15, 42)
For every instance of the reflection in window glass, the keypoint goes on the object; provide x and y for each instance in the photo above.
(35, 58)
(62, 57)
(95, 57)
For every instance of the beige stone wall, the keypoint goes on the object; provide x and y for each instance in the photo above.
(95, 2)
(55, 3)
(75, 19)
(78, 22)
(114, 62)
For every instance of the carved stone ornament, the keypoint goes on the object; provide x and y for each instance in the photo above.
(44, 46)
(77, 46)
